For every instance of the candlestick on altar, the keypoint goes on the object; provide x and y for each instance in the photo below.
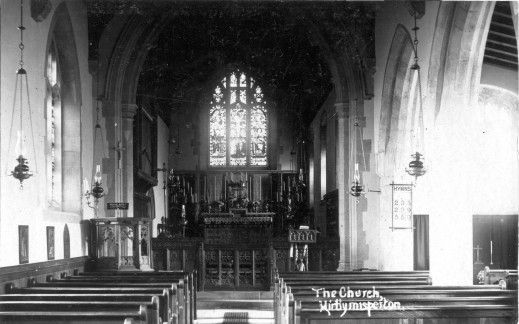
(491, 253)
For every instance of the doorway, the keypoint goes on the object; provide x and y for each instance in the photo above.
(494, 242)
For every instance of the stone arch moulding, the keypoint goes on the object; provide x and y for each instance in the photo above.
(394, 92)
(63, 34)
(120, 69)
(340, 84)
(457, 53)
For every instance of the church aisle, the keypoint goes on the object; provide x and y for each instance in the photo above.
(254, 307)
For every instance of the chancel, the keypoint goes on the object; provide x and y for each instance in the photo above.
(259, 161)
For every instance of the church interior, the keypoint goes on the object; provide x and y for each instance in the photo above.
(241, 143)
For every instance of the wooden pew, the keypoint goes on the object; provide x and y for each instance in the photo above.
(164, 313)
(151, 307)
(183, 282)
(462, 304)
(185, 286)
(165, 295)
(190, 279)
(34, 317)
(439, 314)
(493, 276)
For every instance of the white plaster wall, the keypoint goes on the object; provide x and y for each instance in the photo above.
(469, 149)
(28, 207)
(396, 247)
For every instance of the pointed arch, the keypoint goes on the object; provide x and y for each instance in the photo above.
(397, 65)
(62, 44)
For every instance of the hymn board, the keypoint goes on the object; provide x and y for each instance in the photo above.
(402, 206)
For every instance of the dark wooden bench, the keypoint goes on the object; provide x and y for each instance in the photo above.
(113, 317)
(190, 282)
(439, 314)
(164, 313)
(151, 307)
(184, 281)
(494, 276)
(167, 303)
(185, 289)
(297, 302)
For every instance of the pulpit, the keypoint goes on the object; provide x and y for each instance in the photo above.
(121, 243)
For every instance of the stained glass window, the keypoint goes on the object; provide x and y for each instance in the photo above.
(238, 123)
(53, 116)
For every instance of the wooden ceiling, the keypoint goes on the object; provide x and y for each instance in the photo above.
(501, 48)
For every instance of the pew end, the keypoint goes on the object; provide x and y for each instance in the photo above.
(9, 287)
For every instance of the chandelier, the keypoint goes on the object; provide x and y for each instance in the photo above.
(416, 167)
(22, 125)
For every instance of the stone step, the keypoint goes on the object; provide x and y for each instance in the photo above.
(229, 321)
(235, 304)
(249, 295)
(220, 313)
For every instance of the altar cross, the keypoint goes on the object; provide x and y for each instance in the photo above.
(477, 248)
(119, 150)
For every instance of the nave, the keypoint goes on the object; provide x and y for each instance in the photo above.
(297, 297)
(281, 149)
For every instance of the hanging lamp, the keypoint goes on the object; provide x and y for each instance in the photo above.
(96, 190)
(357, 189)
(23, 123)
(416, 167)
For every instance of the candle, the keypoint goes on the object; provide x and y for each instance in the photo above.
(85, 184)
(490, 247)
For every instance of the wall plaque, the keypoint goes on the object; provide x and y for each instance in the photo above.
(119, 206)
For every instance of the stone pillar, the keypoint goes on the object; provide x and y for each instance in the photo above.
(342, 161)
(124, 152)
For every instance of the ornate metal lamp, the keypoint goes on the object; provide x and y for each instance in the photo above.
(22, 171)
(357, 189)
(416, 168)
(96, 191)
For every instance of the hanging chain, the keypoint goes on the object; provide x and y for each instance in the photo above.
(21, 72)
(415, 42)
(417, 67)
(21, 28)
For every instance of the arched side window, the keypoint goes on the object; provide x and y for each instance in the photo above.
(323, 134)
(238, 123)
(53, 117)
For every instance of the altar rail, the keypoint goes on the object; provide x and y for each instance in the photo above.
(238, 266)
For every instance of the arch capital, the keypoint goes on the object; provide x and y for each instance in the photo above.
(128, 110)
(342, 109)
